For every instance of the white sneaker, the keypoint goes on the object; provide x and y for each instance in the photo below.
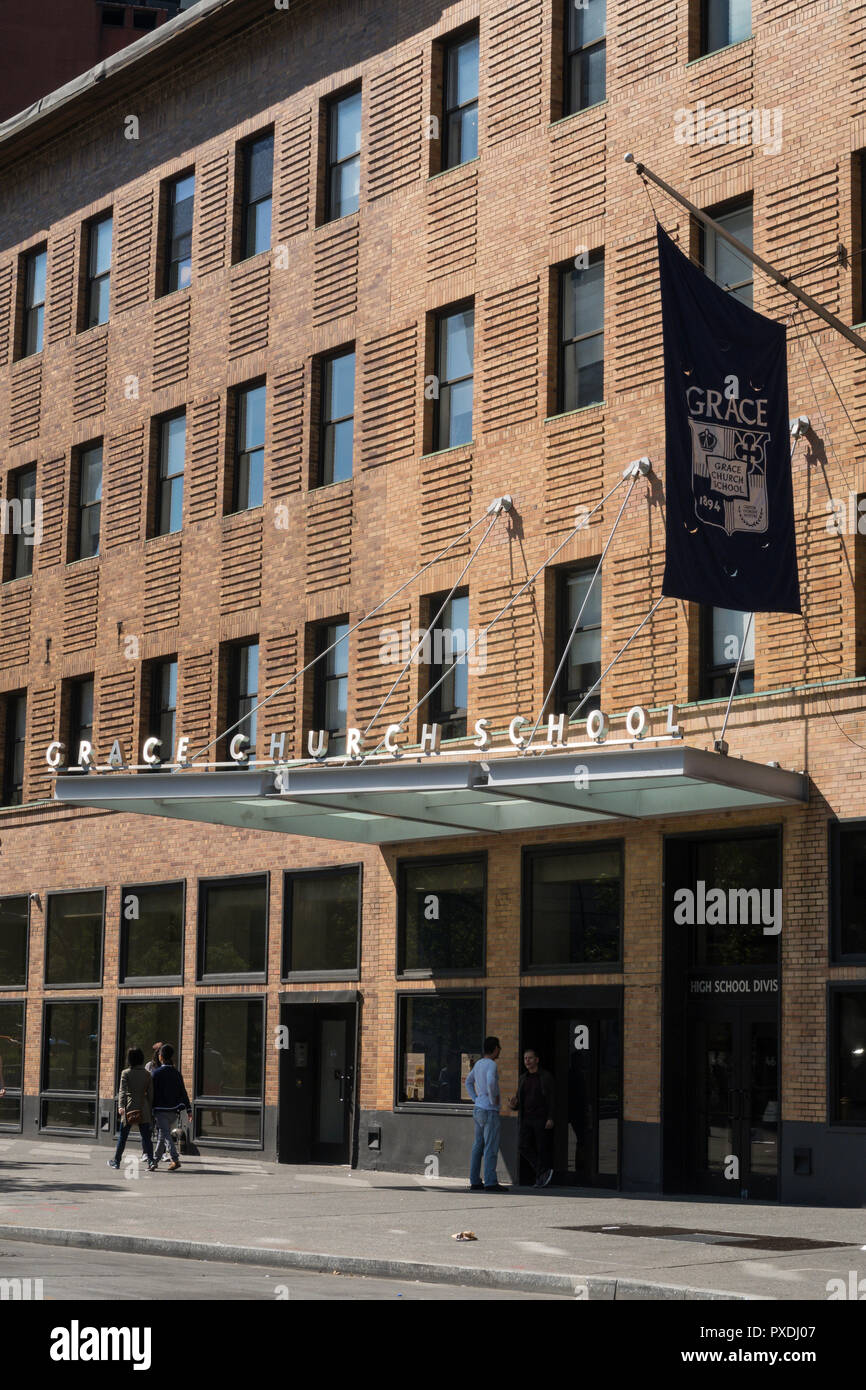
(166, 1158)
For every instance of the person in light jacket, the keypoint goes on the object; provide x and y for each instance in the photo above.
(135, 1093)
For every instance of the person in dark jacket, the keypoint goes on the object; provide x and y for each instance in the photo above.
(135, 1094)
(169, 1098)
(534, 1104)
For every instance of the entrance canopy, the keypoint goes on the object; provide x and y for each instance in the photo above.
(431, 797)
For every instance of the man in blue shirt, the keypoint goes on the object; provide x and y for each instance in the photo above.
(482, 1083)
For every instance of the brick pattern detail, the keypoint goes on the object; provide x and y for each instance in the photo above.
(132, 278)
(574, 470)
(51, 481)
(280, 714)
(374, 678)
(162, 585)
(637, 332)
(61, 289)
(452, 224)
(856, 62)
(335, 281)
(396, 128)
(577, 171)
(196, 675)
(116, 713)
(212, 199)
(510, 329)
(650, 663)
(329, 540)
(507, 684)
(80, 610)
(6, 278)
(646, 39)
(241, 574)
(90, 375)
(250, 309)
(26, 404)
(390, 385)
(822, 566)
(287, 433)
(802, 228)
(125, 486)
(513, 67)
(204, 461)
(446, 505)
(171, 340)
(40, 717)
(15, 625)
(724, 81)
(293, 195)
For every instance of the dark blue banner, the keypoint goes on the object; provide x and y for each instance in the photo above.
(730, 508)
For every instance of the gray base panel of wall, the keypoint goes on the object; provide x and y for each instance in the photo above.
(641, 1156)
(837, 1159)
(424, 1143)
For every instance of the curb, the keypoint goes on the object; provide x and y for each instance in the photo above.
(593, 1287)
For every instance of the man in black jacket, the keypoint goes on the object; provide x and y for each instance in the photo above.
(534, 1104)
(169, 1098)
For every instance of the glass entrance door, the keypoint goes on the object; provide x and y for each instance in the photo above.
(734, 1094)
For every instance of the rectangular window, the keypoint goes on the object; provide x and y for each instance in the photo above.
(847, 1055)
(322, 922)
(34, 267)
(723, 634)
(11, 1061)
(243, 692)
(572, 907)
(80, 717)
(258, 183)
(585, 55)
(331, 683)
(441, 916)
(337, 424)
(721, 261)
(578, 612)
(455, 352)
(99, 233)
(581, 335)
(460, 124)
(233, 926)
(447, 703)
(70, 1061)
(848, 892)
(344, 156)
(249, 460)
(440, 1040)
(22, 521)
(73, 938)
(724, 22)
(162, 714)
(170, 466)
(229, 1071)
(15, 748)
(179, 203)
(749, 862)
(13, 942)
(143, 1022)
(151, 934)
(89, 501)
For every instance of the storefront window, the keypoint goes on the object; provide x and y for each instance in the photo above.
(848, 868)
(322, 922)
(13, 942)
(73, 953)
(11, 1064)
(573, 907)
(848, 1056)
(440, 1041)
(233, 920)
(70, 1056)
(738, 866)
(151, 922)
(141, 1023)
(442, 916)
(229, 1069)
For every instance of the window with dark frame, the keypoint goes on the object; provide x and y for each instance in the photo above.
(724, 22)
(233, 926)
(848, 892)
(448, 702)
(162, 714)
(343, 194)
(81, 695)
(22, 510)
(859, 233)
(14, 919)
(89, 501)
(143, 19)
(454, 368)
(70, 1064)
(847, 1039)
(331, 683)
(15, 712)
(33, 324)
(585, 55)
(723, 637)
(171, 457)
(229, 1070)
(441, 916)
(243, 692)
(440, 1038)
(179, 207)
(581, 335)
(73, 938)
(572, 907)
(337, 422)
(257, 158)
(460, 117)
(12, 1059)
(151, 935)
(249, 458)
(579, 597)
(722, 262)
(99, 235)
(322, 922)
(143, 1022)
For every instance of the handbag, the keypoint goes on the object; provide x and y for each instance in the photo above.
(133, 1117)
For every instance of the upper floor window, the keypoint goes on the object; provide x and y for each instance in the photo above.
(579, 602)
(581, 335)
(13, 752)
(99, 234)
(258, 183)
(249, 462)
(89, 500)
(331, 683)
(337, 426)
(585, 59)
(460, 125)
(448, 701)
(243, 691)
(344, 156)
(22, 491)
(162, 714)
(724, 22)
(725, 633)
(455, 351)
(80, 717)
(180, 198)
(34, 268)
(172, 453)
(721, 261)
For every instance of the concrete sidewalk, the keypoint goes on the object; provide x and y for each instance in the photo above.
(244, 1210)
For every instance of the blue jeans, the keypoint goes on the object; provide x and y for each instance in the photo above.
(146, 1143)
(487, 1126)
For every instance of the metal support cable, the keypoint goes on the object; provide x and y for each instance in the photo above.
(573, 716)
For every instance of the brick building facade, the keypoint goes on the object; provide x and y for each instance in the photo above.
(147, 320)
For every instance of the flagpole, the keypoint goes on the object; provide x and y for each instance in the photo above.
(783, 280)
